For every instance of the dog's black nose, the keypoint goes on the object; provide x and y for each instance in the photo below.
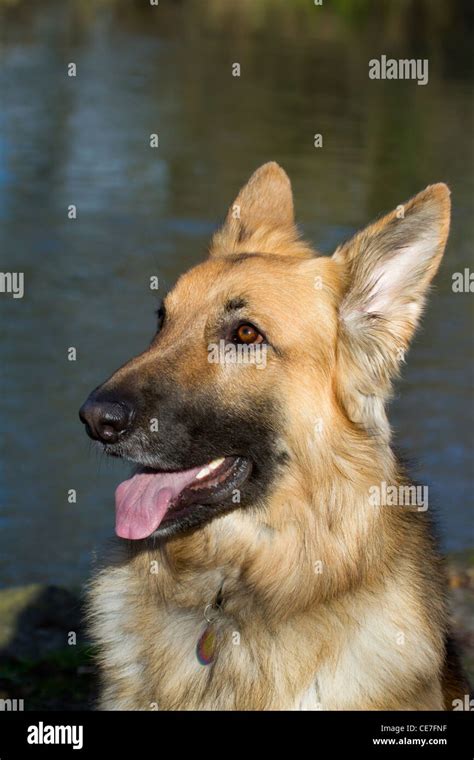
(106, 420)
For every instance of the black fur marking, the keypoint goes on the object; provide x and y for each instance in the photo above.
(235, 304)
(194, 429)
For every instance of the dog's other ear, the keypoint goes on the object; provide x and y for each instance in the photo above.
(261, 218)
(387, 271)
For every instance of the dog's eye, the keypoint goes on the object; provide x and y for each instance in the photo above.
(246, 333)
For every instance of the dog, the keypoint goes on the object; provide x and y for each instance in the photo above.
(253, 569)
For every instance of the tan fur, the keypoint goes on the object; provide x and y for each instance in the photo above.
(336, 604)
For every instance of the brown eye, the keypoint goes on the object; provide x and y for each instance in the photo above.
(247, 333)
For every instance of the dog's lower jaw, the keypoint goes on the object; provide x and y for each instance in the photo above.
(197, 508)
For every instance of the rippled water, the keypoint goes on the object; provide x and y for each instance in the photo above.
(85, 141)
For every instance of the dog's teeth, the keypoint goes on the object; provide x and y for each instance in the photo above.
(203, 473)
(209, 468)
(216, 463)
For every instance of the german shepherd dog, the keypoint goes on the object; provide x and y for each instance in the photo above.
(254, 569)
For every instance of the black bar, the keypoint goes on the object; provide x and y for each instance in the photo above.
(317, 734)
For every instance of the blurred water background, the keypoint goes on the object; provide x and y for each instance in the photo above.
(85, 141)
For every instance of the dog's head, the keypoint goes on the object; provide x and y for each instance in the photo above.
(265, 354)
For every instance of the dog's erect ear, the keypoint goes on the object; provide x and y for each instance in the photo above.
(261, 218)
(387, 268)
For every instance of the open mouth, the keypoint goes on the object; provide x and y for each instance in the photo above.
(151, 498)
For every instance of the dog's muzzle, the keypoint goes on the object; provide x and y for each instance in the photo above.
(106, 418)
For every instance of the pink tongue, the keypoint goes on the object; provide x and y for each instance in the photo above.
(142, 502)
